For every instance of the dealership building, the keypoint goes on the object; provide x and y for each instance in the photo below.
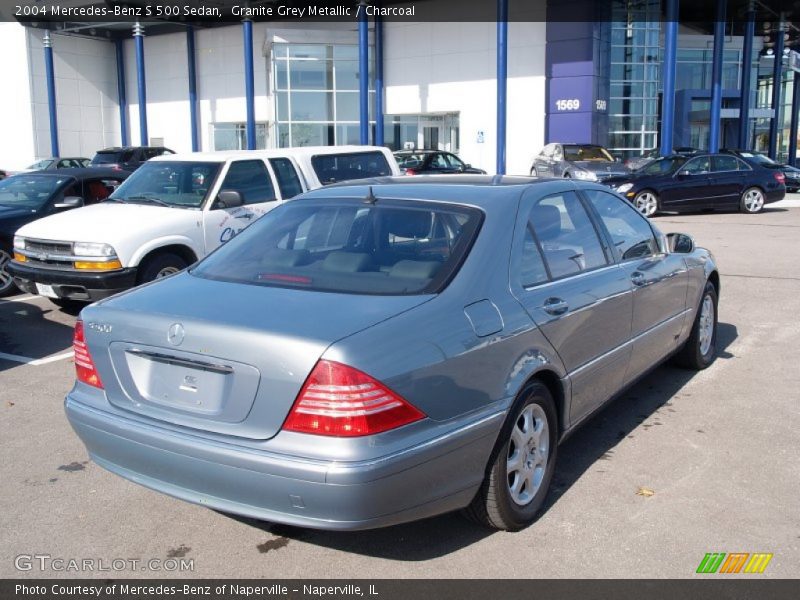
(633, 75)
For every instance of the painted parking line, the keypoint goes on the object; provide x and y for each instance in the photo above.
(20, 298)
(36, 361)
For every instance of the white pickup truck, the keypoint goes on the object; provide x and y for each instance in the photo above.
(171, 212)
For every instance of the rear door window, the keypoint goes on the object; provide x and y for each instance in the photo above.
(725, 163)
(286, 174)
(335, 245)
(251, 179)
(332, 168)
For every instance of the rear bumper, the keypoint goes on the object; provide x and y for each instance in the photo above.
(429, 479)
(774, 195)
(72, 285)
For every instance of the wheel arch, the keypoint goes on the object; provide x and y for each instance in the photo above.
(182, 250)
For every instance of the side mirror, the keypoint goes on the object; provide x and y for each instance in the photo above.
(69, 202)
(683, 173)
(680, 243)
(229, 199)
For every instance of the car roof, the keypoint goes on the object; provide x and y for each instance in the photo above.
(418, 151)
(82, 173)
(496, 192)
(297, 152)
(124, 148)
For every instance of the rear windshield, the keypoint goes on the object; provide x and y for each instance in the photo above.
(349, 246)
(107, 158)
(331, 168)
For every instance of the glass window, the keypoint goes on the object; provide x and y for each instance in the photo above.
(331, 168)
(567, 237)
(233, 136)
(454, 161)
(345, 246)
(347, 106)
(251, 179)
(281, 74)
(179, 183)
(531, 269)
(312, 134)
(286, 174)
(725, 163)
(29, 192)
(697, 165)
(630, 232)
(311, 75)
(312, 106)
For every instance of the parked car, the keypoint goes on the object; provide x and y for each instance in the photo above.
(128, 158)
(792, 174)
(30, 196)
(649, 156)
(171, 211)
(681, 183)
(433, 162)
(57, 162)
(579, 161)
(385, 351)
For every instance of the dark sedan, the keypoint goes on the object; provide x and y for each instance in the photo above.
(433, 162)
(128, 158)
(679, 183)
(752, 157)
(30, 196)
(577, 161)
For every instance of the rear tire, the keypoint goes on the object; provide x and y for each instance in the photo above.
(521, 467)
(7, 285)
(700, 349)
(160, 266)
(752, 200)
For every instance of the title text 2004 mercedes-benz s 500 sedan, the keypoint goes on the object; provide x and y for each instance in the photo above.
(379, 352)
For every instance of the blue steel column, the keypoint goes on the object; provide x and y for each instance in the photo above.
(670, 60)
(747, 69)
(793, 121)
(51, 92)
(249, 86)
(192, 86)
(502, 83)
(363, 73)
(138, 38)
(378, 81)
(777, 76)
(122, 95)
(716, 77)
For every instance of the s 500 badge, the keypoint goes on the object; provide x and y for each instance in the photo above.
(100, 327)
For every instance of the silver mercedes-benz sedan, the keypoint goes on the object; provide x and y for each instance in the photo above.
(379, 352)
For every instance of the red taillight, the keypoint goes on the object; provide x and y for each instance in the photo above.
(410, 172)
(779, 176)
(84, 365)
(338, 400)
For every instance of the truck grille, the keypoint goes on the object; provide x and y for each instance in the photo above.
(48, 247)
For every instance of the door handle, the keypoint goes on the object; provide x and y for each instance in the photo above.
(638, 279)
(555, 306)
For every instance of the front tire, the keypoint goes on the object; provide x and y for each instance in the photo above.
(700, 349)
(752, 200)
(160, 266)
(518, 478)
(7, 285)
(646, 202)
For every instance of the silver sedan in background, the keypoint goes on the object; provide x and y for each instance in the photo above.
(388, 350)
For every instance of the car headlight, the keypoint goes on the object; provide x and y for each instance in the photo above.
(19, 243)
(624, 187)
(588, 175)
(92, 249)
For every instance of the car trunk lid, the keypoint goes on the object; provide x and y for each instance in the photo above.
(232, 358)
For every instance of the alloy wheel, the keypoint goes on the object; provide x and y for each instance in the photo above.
(706, 329)
(528, 451)
(753, 201)
(166, 272)
(646, 203)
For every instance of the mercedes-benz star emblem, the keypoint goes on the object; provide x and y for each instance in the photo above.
(175, 334)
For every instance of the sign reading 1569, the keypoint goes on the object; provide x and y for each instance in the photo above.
(571, 104)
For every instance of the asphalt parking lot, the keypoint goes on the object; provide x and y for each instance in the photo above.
(719, 450)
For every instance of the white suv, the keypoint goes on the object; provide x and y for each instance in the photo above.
(171, 212)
